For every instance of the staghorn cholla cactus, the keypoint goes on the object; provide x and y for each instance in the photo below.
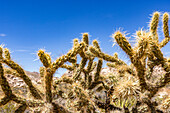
(127, 90)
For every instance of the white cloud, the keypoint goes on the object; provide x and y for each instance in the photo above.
(2, 34)
(21, 50)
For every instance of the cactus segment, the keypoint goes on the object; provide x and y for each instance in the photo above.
(7, 54)
(4, 100)
(165, 30)
(45, 58)
(86, 38)
(98, 70)
(123, 43)
(154, 26)
(4, 83)
(102, 55)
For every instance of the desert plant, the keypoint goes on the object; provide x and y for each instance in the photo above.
(87, 90)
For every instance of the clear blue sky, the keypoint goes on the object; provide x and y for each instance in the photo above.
(29, 25)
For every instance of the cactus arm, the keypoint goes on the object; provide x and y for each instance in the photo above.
(48, 84)
(98, 70)
(61, 60)
(93, 66)
(26, 79)
(4, 83)
(84, 59)
(141, 48)
(80, 68)
(44, 58)
(10, 71)
(140, 73)
(85, 40)
(1, 52)
(165, 30)
(154, 26)
(7, 54)
(100, 61)
(156, 51)
(4, 100)
(68, 67)
(89, 66)
(42, 74)
(123, 43)
(165, 25)
(102, 55)
(113, 65)
(73, 60)
(96, 45)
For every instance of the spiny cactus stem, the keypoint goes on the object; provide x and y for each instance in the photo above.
(123, 43)
(4, 100)
(164, 42)
(44, 58)
(75, 42)
(89, 66)
(102, 55)
(61, 60)
(80, 68)
(1, 52)
(141, 49)
(10, 71)
(165, 25)
(26, 79)
(154, 26)
(165, 30)
(68, 67)
(86, 38)
(72, 59)
(156, 50)
(4, 83)
(98, 70)
(7, 54)
(96, 45)
(140, 73)
(48, 84)
(67, 80)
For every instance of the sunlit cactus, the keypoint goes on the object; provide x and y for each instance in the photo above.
(125, 87)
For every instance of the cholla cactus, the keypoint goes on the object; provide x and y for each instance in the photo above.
(87, 90)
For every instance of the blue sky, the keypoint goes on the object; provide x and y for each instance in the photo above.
(29, 25)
